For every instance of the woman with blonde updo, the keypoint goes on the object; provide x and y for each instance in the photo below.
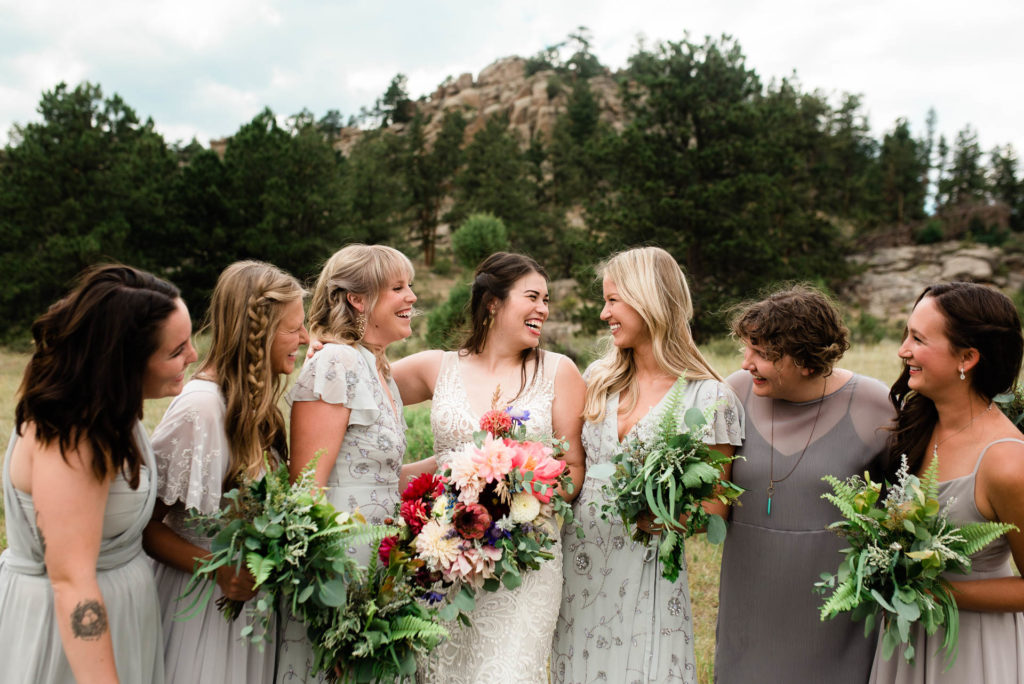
(212, 438)
(345, 406)
(620, 620)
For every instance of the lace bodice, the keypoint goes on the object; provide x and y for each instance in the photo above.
(452, 418)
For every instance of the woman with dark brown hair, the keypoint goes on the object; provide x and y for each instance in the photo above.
(963, 346)
(500, 364)
(806, 418)
(77, 597)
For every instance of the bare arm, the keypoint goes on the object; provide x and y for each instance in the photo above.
(567, 422)
(70, 504)
(999, 491)
(416, 375)
(316, 426)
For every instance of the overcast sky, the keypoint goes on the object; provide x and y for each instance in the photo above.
(202, 68)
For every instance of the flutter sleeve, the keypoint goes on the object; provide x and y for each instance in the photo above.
(728, 420)
(192, 451)
(340, 374)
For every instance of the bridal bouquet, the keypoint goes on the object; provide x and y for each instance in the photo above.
(669, 477)
(1011, 403)
(892, 570)
(291, 539)
(488, 517)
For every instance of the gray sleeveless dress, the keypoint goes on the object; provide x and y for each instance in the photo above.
(769, 630)
(366, 467)
(991, 645)
(30, 645)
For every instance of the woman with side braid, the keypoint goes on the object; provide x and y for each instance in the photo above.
(212, 437)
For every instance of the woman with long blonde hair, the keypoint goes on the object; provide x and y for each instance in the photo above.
(223, 429)
(620, 620)
(345, 406)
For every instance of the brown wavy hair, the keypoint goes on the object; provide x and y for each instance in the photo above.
(246, 309)
(977, 317)
(492, 280)
(799, 321)
(84, 380)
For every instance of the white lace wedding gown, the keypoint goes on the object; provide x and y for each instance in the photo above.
(509, 641)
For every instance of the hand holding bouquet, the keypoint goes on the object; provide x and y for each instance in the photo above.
(291, 539)
(669, 478)
(892, 570)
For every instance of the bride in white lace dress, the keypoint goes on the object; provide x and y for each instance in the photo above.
(500, 364)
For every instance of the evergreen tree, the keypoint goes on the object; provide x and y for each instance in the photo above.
(429, 174)
(965, 181)
(904, 169)
(1006, 186)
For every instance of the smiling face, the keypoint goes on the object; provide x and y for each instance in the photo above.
(291, 333)
(391, 317)
(627, 326)
(779, 379)
(165, 370)
(931, 360)
(520, 317)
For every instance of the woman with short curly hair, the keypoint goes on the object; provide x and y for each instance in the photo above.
(806, 418)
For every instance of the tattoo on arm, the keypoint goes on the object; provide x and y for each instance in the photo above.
(89, 620)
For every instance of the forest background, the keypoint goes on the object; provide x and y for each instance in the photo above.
(746, 183)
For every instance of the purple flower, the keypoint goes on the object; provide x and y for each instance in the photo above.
(433, 597)
(518, 416)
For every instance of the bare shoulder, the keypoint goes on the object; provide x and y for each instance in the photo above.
(420, 362)
(1002, 470)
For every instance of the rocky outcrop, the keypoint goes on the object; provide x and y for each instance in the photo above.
(891, 278)
(532, 103)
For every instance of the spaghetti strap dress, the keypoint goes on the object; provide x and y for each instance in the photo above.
(991, 645)
(30, 645)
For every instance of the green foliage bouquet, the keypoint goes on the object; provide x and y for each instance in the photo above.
(1011, 403)
(294, 543)
(670, 478)
(892, 570)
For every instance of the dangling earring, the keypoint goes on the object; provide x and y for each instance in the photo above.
(490, 318)
(360, 325)
(962, 376)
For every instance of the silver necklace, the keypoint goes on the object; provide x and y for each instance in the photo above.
(935, 447)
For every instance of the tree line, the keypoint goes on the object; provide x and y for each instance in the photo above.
(745, 182)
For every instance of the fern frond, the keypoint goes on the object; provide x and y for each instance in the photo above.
(844, 598)
(415, 627)
(930, 480)
(979, 535)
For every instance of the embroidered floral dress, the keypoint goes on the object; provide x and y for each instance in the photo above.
(509, 640)
(620, 621)
(366, 467)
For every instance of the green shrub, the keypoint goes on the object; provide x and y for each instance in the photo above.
(479, 236)
(419, 438)
(442, 267)
(931, 233)
(447, 322)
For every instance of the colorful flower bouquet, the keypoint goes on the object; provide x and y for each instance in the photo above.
(291, 539)
(490, 517)
(669, 478)
(892, 570)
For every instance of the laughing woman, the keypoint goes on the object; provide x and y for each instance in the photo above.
(345, 406)
(963, 346)
(620, 621)
(213, 437)
(77, 600)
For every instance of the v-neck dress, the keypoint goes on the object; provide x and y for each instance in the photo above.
(509, 639)
(991, 645)
(366, 468)
(620, 620)
(769, 626)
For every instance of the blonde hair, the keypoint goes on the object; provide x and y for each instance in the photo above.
(363, 270)
(246, 310)
(649, 280)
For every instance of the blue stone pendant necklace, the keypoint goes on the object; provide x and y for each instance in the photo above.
(771, 457)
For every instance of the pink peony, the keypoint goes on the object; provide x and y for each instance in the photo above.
(493, 460)
(473, 565)
(536, 457)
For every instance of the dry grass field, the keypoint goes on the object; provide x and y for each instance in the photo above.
(878, 360)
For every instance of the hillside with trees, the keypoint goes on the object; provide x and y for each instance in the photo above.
(745, 181)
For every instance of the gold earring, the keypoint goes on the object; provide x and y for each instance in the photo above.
(360, 325)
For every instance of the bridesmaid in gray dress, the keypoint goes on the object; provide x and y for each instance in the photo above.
(620, 621)
(214, 436)
(805, 419)
(962, 347)
(76, 592)
(345, 404)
